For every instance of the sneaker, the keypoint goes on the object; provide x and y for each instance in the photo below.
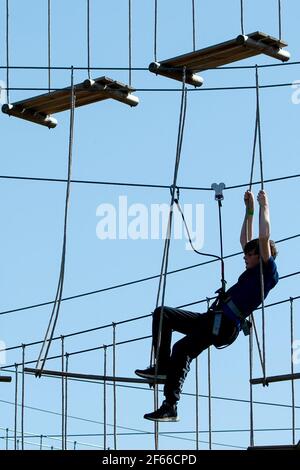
(166, 413)
(149, 374)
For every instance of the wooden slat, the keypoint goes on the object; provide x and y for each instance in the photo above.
(275, 378)
(75, 375)
(258, 35)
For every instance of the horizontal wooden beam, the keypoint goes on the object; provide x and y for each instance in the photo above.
(5, 378)
(276, 447)
(100, 378)
(275, 378)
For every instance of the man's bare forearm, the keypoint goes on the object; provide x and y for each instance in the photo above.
(264, 222)
(247, 229)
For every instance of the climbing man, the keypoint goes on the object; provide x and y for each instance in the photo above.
(221, 324)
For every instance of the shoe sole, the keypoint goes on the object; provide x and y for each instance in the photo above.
(163, 420)
(152, 378)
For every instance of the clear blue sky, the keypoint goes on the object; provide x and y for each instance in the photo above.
(115, 143)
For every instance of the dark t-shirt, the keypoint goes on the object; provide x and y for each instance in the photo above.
(246, 293)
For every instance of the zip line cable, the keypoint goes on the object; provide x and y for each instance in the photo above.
(83, 351)
(126, 284)
(142, 185)
(90, 330)
(145, 69)
(146, 389)
(176, 90)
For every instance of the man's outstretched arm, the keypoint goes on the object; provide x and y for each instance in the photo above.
(247, 227)
(264, 226)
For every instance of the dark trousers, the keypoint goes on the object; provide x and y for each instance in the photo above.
(197, 329)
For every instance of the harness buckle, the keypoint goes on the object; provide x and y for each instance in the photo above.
(217, 323)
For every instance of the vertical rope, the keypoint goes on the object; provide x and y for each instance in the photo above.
(262, 187)
(66, 402)
(104, 395)
(258, 343)
(292, 370)
(155, 30)
(114, 386)
(6, 438)
(242, 18)
(197, 403)
(41, 442)
(193, 25)
(129, 42)
(259, 129)
(253, 153)
(164, 265)
(7, 50)
(88, 37)
(62, 393)
(49, 45)
(221, 246)
(75, 443)
(251, 386)
(57, 302)
(279, 20)
(209, 391)
(16, 407)
(23, 396)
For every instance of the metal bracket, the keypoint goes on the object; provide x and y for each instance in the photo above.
(218, 188)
